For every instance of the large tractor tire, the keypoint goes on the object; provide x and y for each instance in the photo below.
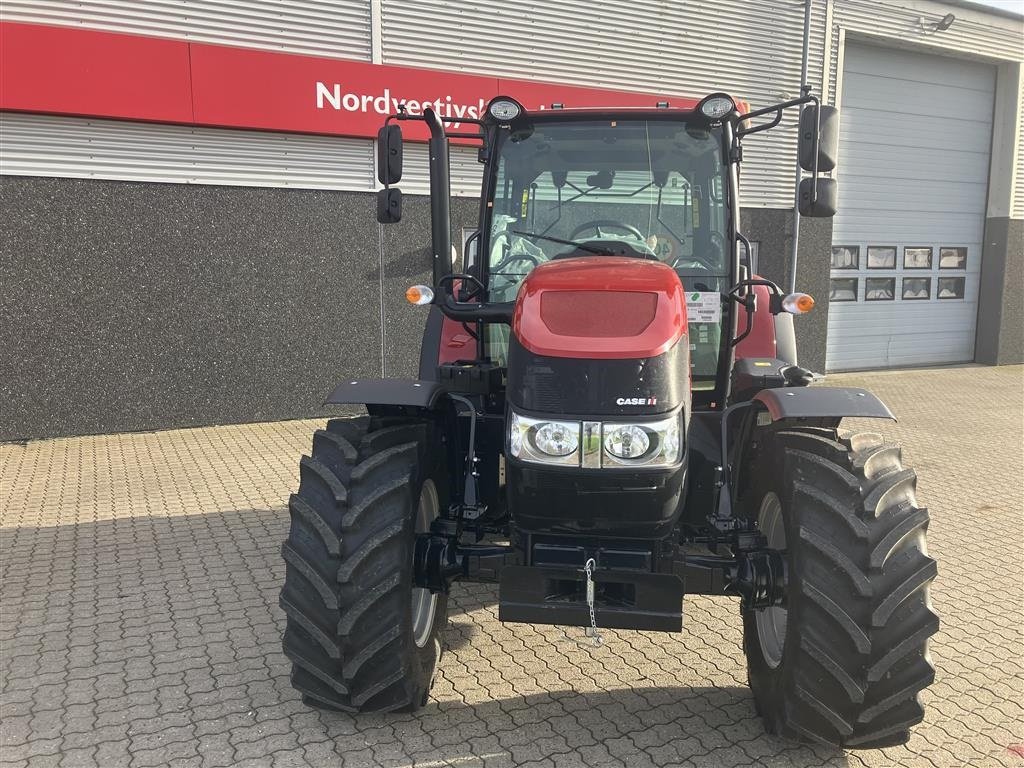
(843, 660)
(360, 636)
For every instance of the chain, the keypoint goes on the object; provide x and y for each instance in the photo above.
(592, 629)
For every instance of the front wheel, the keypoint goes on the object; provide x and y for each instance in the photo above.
(843, 660)
(360, 635)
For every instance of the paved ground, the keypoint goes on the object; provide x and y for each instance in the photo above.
(140, 624)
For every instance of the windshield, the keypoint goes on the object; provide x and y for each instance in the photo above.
(650, 189)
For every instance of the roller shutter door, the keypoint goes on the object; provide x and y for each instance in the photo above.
(914, 165)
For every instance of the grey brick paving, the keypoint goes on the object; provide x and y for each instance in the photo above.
(140, 626)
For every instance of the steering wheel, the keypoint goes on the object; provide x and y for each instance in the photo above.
(717, 243)
(596, 225)
(512, 258)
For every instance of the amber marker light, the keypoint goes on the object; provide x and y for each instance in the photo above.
(419, 294)
(798, 303)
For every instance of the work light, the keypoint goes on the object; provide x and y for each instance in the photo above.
(504, 110)
(716, 106)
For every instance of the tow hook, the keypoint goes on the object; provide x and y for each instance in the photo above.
(759, 578)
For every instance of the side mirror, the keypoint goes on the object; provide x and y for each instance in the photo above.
(389, 154)
(825, 204)
(389, 205)
(828, 138)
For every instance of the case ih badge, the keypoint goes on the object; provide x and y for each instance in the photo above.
(510, 451)
(636, 401)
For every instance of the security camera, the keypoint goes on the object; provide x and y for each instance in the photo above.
(945, 22)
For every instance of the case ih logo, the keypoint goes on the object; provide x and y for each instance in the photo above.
(637, 401)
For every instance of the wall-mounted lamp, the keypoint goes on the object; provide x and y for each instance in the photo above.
(931, 27)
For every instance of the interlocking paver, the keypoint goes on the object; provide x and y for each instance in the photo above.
(140, 626)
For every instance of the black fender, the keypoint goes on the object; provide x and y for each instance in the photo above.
(416, 393)
(822, 402)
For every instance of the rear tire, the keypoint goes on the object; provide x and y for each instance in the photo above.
(360, 636)
(844, 660)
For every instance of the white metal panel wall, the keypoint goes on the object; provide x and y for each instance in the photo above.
(74, 147)
(47, 145)
(910, 179)
(325, 27)
(751, 48)
(974, 34)
(1017, 207)
(466, 173)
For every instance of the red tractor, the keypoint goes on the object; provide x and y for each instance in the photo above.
(609, 416)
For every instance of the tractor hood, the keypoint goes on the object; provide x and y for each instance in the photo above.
(600, 307)
(599, 336)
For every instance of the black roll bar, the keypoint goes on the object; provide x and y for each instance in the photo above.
(440, 196)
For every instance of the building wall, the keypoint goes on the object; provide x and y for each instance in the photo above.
(127, 306)
(158, 276)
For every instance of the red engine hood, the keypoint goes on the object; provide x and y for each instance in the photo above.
(600, 307)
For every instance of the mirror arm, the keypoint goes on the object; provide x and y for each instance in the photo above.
(774, 108)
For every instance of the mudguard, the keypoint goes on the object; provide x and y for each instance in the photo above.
(417, 393)
(822, 402)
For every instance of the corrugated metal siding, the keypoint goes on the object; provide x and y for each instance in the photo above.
(750, 48)
(910, 180)
(974, 34)
(324, 27)
(46, 145)
(466, 173)
(1017, 209)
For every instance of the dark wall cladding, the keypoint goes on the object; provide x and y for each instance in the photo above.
(136, 306)
(772, 230)
(132, 306)
(1000, 335)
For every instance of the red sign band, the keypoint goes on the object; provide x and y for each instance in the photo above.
(71, 71)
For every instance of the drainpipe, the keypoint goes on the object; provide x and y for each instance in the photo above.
(798, 174)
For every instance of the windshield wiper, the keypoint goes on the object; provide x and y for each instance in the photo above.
(582, 246)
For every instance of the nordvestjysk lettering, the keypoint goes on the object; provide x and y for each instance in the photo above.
(333, 96)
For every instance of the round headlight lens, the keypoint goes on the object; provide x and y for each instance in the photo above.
(627, 442)
(555, 439)
(717, 107)
(504, 110)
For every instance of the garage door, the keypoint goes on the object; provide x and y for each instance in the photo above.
(906, 255)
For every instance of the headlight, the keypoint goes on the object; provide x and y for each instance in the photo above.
(647, 445)
(545, 441)
(556, 439)
(643, 444)
(626, 442)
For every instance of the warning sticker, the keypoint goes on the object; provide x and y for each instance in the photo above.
(704, 307)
